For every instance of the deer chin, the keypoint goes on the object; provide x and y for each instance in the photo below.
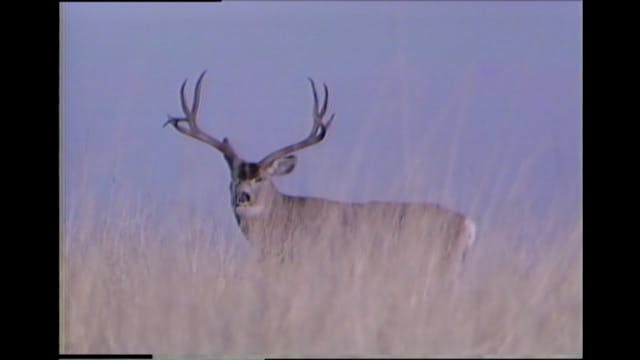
(248, 210)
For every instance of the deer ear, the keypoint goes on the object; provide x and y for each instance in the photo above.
(282, 166)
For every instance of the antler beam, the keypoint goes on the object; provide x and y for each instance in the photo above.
(318, 130)
(192, 129)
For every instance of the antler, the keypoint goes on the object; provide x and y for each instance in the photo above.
(192, 129)
(318, 131)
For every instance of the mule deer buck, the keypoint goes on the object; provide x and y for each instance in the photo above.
(276, 222)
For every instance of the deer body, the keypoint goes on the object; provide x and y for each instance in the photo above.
(295, 224)
(278, 224)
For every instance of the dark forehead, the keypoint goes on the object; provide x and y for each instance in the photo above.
(246, 171)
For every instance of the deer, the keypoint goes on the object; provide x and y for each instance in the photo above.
(273, 221)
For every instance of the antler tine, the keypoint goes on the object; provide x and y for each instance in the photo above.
(324, 108)
(192, 129)
(196, 96)
(314, 113)
(183, 99)
(326, 100)
(318, 129)
(315, 97)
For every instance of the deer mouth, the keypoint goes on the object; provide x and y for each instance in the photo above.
(248, 209)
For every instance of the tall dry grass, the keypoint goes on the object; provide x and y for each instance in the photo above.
(189, 286)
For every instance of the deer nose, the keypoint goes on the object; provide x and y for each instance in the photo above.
(243, 198)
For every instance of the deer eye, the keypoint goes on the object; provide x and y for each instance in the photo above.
(259, 179)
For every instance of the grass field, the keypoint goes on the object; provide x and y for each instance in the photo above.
(136, 279)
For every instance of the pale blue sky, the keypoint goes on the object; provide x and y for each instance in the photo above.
(465, 96)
